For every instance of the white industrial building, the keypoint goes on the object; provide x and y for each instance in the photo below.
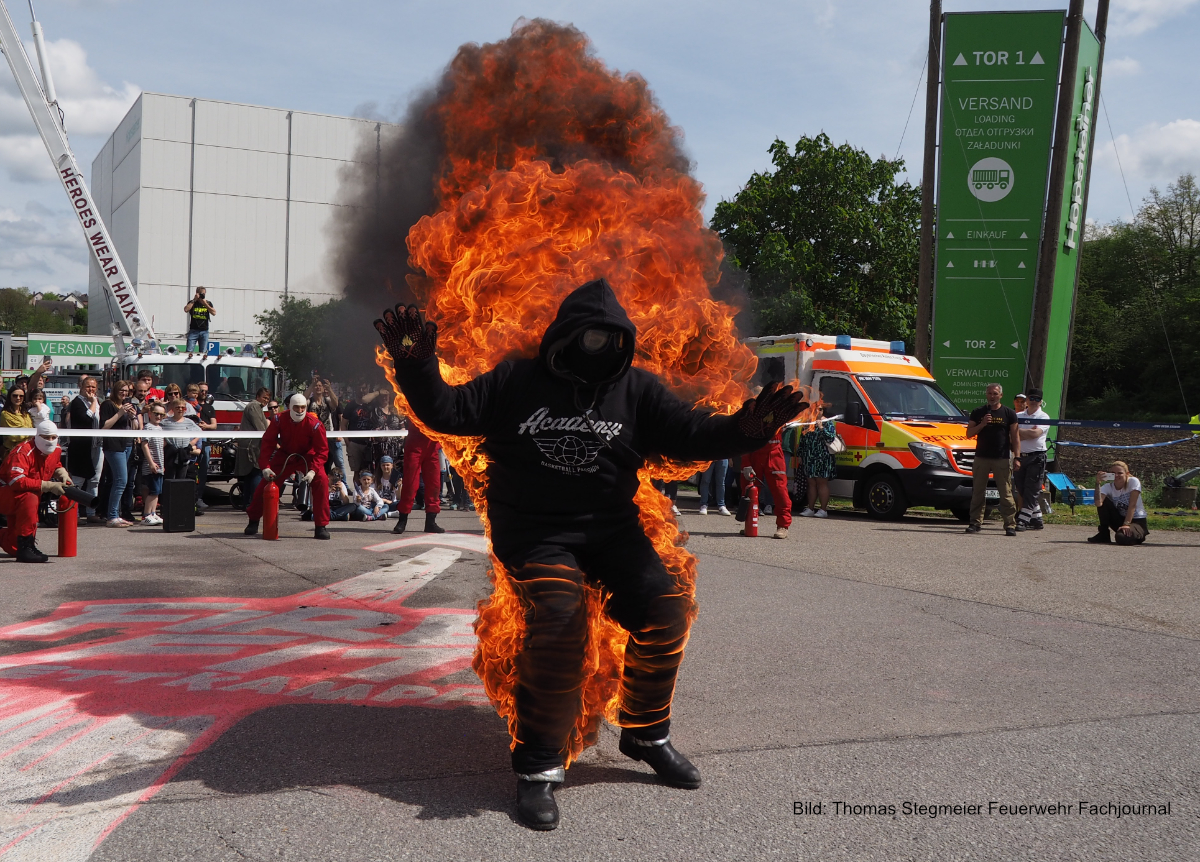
(236, 198)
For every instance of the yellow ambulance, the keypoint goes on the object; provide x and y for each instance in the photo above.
(906, 441)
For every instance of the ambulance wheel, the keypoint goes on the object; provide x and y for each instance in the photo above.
(884, 498)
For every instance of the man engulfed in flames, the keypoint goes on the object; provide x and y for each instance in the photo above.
(528, 170)
(565, 435)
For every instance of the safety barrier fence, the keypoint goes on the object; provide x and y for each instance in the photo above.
(1064, 423)
(1077, 423)
(208, 435)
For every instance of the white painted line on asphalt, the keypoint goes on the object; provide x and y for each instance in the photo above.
(465, 541)
(392, 583)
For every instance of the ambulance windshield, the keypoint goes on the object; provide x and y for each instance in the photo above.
(905, 396)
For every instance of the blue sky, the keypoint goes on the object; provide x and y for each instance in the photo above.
(733, 76)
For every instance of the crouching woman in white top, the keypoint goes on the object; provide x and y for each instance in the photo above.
(1119, 505)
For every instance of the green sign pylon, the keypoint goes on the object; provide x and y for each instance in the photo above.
(999, 84)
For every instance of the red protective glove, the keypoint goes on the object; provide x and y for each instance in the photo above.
(762, 417)
(405, 335)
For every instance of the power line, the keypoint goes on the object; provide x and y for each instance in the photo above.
(1149, 278)
(920, 78)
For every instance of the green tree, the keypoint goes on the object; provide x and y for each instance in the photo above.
(1139, 292)
(44, 320)
(829, 240)
(14, 309)
(335, 338)
(292, 330)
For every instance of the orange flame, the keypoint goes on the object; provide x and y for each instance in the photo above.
(558, 171)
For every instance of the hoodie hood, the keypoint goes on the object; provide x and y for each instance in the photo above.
(592, 306)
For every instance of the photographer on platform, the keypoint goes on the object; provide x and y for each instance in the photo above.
(199, 311)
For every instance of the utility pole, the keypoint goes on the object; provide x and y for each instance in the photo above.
(1101, 31)
(928, 171)
(1039, 330)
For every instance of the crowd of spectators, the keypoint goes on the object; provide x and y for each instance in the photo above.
(365, 479)
(118, 470)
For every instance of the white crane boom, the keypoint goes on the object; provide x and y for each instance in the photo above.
(116, 282)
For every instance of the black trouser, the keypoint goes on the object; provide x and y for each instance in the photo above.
(1112, 519)
(1027, 482)
(176, 461)
(549, 578)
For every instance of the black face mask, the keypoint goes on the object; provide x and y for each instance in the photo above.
(597, 355)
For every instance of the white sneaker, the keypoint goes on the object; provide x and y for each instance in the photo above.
(152, 521)
(703, 510)
(808, 513)
(821, 513)
(724, 511)
(201, 504)
(675, 510)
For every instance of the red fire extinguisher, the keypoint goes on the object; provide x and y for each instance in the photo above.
(752, 516)
(68, 526)
(271, 511)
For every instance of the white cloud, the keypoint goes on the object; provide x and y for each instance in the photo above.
(1157, 153)
(1121, 67)
(37, 245)
(1132, 17)
(91, 106)
(825, 13)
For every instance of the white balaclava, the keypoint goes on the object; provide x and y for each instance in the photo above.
(298, 407)
(46, 429)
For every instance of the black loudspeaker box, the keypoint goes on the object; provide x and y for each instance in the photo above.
(179, 505)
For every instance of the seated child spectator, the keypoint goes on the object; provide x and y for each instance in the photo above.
(387, 487)
(370, 505)
(341, 501)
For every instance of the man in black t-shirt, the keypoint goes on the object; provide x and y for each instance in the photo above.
(995, 428)
(199, 312)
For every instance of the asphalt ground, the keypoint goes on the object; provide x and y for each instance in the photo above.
(831, 679)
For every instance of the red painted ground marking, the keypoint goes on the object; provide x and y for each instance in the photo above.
(180, 672)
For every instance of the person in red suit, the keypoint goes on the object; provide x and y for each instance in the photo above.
(767, 464)
(420, 459)
(294, 444)
(31, 469)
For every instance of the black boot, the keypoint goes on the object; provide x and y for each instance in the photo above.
(431, 524)
(27, 551)
(672, 767)
(251, 528)
(536, 807)
(1101, 538)
(320, 533)
(401, 522)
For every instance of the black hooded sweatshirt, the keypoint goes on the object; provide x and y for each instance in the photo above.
(553, 475)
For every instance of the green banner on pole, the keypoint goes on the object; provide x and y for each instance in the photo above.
(999, 83)
(1084, 100)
